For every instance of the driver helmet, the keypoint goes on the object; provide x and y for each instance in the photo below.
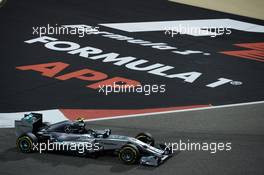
(80, 123)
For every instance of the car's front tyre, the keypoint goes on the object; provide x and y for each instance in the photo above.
(129, 154)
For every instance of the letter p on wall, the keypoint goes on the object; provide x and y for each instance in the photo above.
(54, 68)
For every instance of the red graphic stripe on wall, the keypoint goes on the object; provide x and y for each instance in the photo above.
(72, 114)
(256, 52)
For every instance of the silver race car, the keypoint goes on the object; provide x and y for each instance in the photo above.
(32, 132)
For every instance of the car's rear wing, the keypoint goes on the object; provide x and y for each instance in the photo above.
(29, 123)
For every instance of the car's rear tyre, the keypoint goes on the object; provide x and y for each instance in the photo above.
(81, 151)
(25, 143)
(129, 154)
(146, 138)
(81, 154)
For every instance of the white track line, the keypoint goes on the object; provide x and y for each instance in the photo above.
(176, 111)
(55, 115)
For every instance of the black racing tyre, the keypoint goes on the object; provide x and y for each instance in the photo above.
(82, 153)
(81, 150)
(146, 138)
(25, 143)
(129, 154)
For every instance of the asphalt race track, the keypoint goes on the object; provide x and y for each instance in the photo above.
(198, 62)
(209, 84)
(242, 125)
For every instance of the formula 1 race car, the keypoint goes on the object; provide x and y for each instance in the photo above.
(31, 131)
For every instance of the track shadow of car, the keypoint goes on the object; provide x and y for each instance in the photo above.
(59, 158)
